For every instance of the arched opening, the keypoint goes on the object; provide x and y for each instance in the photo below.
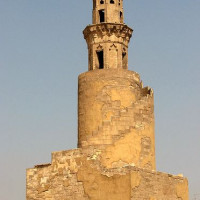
(124, 59)
(121, 17)
(102, 16)
(101, 1)
(100, 59)
(112, 1)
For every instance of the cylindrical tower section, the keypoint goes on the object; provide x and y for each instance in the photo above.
(116, 115)
(109, 11)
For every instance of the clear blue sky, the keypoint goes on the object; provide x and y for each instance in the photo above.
(42, 51)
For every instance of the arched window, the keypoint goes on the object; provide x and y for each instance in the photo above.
(101, 1)
(119, 2)
(100, 59)
(124, 59)
(121, 17)
(112, 1)
(101, 16)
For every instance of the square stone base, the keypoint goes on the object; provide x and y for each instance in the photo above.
(73, 175)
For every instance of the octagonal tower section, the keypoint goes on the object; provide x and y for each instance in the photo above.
(107, 45)
(108, 37)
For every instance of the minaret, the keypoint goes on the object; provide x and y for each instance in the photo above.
(113, 105)
(115, 158)
(108, 37)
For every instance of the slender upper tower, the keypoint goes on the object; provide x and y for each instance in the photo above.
(109, 11)
(108, 37)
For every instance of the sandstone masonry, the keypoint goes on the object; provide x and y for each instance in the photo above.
(115, 159)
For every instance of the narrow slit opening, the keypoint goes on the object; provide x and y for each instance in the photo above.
(121, 17)
(124, 60)
(102, 15)
(100, 59)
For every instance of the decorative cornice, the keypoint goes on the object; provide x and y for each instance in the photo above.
(108, 29)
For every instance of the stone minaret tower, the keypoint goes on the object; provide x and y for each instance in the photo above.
(113, 105)
(115, 158)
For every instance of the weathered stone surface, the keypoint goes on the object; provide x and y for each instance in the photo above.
(112, 11)
(113, 40)
(116, 115)
(76, 175)
(108, 34)
(116, 155)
